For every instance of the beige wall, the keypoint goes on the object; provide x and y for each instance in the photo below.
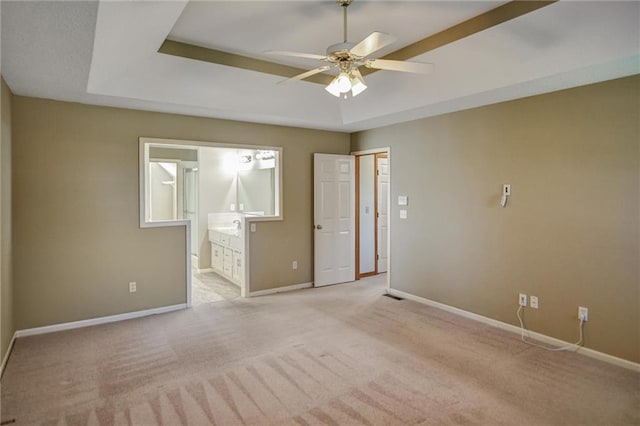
(570, 233)
(6, 283)
(76, 237)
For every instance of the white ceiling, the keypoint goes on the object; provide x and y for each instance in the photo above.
(105, 53)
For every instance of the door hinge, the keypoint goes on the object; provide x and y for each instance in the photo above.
(377, 172)
(377, 257)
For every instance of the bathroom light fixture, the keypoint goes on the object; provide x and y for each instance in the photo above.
(245, 159)
(265, 155)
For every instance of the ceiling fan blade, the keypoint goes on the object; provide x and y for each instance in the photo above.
(386, 64)
(306, 74)
(296, 54)
(372, 43)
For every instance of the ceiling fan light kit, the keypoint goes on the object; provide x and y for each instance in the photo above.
(345, 82)
(348, 57)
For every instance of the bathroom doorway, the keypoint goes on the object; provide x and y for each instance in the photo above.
(215, 191)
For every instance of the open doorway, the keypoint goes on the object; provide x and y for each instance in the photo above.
(372, 213)
(215, 191)
(174, 182)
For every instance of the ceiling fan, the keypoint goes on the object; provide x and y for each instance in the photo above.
(348, 57)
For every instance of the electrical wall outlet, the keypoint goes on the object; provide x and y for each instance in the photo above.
(132, 287)
(583, 313)
(522, 299)
(294, 264)
(533, 302)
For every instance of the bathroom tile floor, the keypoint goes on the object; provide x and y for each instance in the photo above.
(208, 287)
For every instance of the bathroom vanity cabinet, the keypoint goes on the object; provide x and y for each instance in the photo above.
(227, 255)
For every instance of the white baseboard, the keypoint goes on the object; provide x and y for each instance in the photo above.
(514, 329)
(206, 270)
(97, 321)
(6, 355)
(280, 289)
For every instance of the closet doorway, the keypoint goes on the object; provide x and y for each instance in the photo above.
(372, 217)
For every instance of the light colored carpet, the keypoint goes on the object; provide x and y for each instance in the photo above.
(337, 355)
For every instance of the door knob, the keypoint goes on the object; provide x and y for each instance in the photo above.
(318, 226)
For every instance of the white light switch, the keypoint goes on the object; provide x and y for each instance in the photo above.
(232, 207)
(253, 227)
(403, 200)
(403, 214)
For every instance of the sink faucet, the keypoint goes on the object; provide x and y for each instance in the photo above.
(237, 223)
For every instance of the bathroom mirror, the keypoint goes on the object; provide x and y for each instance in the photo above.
(255, 191)
(256, 185)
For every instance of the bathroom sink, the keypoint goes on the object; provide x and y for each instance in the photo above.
(230, 230)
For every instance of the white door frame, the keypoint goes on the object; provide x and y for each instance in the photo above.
(386, 150)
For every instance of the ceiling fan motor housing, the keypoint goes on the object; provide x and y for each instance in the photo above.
(340, 50)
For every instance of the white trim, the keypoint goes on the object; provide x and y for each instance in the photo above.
(206, 270)
(245, 289)
(98, 321)
(514, 329)
(389, 213)
(5, 359)
(280, 289)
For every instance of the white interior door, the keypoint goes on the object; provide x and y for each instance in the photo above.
(334, 215)
(382, 165)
